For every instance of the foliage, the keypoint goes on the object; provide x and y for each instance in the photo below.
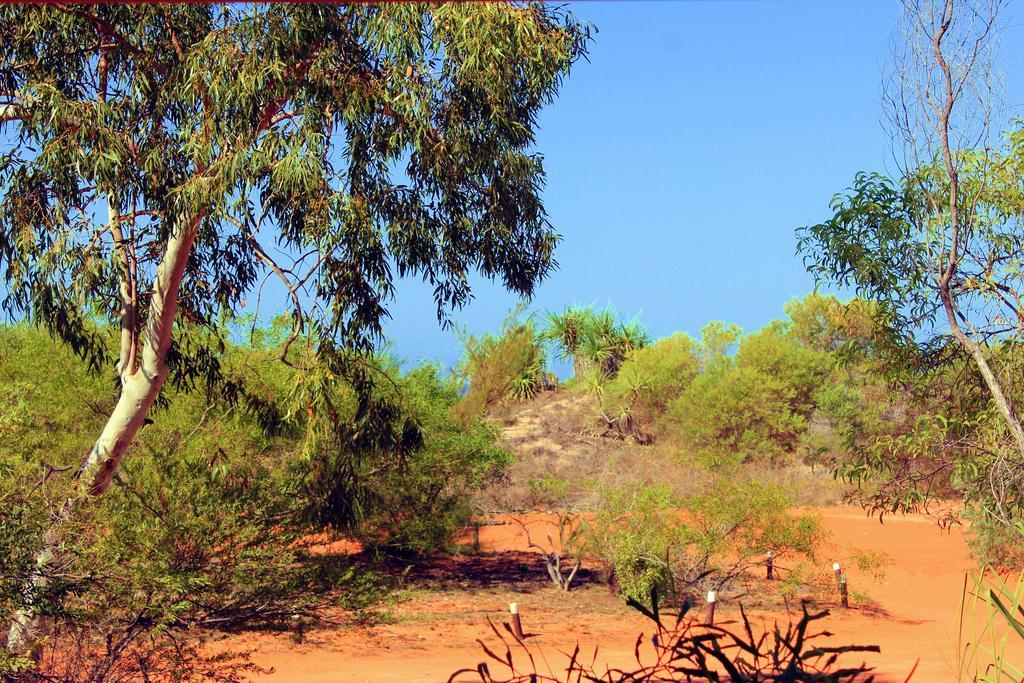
(939, 251)
(365, 596)
(650, 540)
(877, 241)
(506, 366)
(685, 650)
(651, 377)
(751, 405)
(593, 339)
(992, 543)
(422, 504)
(181, 544)
(204, 526)
(283, 118)
(991, 610)
(149, 153)
(545, 489)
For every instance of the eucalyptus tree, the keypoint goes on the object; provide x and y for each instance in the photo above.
(161, 162)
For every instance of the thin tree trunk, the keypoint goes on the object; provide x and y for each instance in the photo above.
(140, 387)
(958, 232)
(987, 374)
(581, 365)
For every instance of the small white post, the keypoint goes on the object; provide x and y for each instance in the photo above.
(517, 624)
(712, 600)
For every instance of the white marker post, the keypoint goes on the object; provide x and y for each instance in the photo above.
(769, 566)
(844, 595)
(712, 600)
(517, 624)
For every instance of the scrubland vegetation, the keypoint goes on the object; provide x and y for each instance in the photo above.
(172, 468)
(213, 522)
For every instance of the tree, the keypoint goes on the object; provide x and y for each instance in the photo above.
(153, 153)
(941, 247)
(594, 340)
(567, 331)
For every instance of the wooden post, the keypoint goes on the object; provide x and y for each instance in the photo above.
(517, 624)
(476, 536)
(712, 600)
(769, 568)
(844, 596)
(837, 570)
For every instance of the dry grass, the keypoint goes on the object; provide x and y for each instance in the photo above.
(565, 455)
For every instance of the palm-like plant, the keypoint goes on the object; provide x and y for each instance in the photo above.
(567, 331)
(633, 335)
(592, 338)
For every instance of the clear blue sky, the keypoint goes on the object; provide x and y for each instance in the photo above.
(683, 156)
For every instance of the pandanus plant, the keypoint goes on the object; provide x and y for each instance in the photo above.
(592, 339)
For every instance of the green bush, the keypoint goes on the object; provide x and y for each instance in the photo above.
(204, 526)
(651, 540)
(753, 405)
(181, 545)
(422, 503)
(496, 368)
(652, 377)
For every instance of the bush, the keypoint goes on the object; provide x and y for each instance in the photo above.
(992, 541)
(652, 541)
(421, 504)
(634, 534)
(179, 547)
(496, 368)
(198, 530)
(204, 526)
(751, 406)
(652, 377)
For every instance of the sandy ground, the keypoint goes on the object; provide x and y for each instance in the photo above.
(912, 614)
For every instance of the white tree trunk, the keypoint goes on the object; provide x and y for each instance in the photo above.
(140, 387)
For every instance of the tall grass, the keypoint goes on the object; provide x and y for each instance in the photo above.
(992, 613)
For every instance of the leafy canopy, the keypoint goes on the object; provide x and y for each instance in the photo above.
(327, 146)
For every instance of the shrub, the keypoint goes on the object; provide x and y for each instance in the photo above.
(179, 547)
(651, 540)
(421, 504)
(993, 542)
(203, 528)
(685, 650)
(507, 366)
(632, 534)
(198, 530)
(754, 405)
(652, 377)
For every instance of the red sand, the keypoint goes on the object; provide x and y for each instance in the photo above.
(916, 616)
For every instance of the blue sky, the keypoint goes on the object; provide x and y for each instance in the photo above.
(683, 156)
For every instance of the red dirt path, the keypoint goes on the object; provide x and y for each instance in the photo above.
(915, 616)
